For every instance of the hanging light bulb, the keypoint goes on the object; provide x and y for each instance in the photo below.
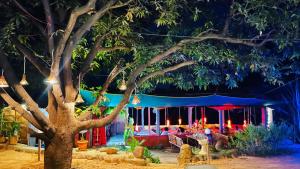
(229, 123)
(23, 80)
(123, 83)
(245, 123)
(79, 98)
(51, 80)
(179, 121)
(168, 123)
(135, 100)
(136, 128)
(205, 120)
(3, 82)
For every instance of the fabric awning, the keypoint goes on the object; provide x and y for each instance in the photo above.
(165, 101)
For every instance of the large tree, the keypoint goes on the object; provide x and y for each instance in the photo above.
(212, 42)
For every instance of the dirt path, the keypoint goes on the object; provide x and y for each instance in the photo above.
(10, 159)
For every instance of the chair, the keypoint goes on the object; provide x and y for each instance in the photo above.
(204, 152)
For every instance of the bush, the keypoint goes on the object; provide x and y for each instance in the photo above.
(259, 140)
(150, 156)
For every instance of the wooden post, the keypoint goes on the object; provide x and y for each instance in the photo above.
(263, 116)
(157, 123)
(143, 118)
(39, 149)
(221, 119)
(190, 115)
(149, 120)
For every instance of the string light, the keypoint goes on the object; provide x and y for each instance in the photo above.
(179, 121)
(23, 80)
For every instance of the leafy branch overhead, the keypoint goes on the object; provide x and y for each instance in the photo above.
(185, 43)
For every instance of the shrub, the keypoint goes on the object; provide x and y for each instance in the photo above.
(259, 140)
(150, 156)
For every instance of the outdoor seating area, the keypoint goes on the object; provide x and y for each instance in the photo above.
(149, 84)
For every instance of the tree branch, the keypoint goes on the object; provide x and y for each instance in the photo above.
(162, 72)
(106, 120)
(121, 4)
(12, 103)
(112, 75)
(33, 19)
(70, 91)
(71, 23)
(38, 63)
(50, 25)
(228, 19)
(32, 105)
(92, 54)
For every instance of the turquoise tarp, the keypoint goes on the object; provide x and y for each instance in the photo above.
(165, 101)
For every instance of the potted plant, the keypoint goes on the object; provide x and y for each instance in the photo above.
(2, 127)
(82, 143)
(14, 132)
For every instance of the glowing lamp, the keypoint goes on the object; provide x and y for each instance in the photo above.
(136, 128)
(51, 80)
(135, 100)
(205, 120)
(79, 99)
(3, 82)
(245, 123)
(123, 85)
(168, 123)
(179, 121)
(24, 106)
(229, 124)
(23, 81)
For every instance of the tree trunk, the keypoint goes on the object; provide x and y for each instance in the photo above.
(58, 153)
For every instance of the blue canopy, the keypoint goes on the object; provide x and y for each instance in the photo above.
(165, 101)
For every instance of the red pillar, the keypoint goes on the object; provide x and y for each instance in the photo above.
(263, 116)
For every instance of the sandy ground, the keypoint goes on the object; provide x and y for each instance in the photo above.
(10, 159)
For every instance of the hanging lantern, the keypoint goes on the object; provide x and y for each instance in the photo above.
(123, 83)
(229, 124)
(205, 120)
(168, 123)
(3, 82)
(51, 80)
(135, 100)
(23, 81)
(179, 121)
(79, 99)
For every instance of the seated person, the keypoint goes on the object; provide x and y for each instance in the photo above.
(165, 131)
